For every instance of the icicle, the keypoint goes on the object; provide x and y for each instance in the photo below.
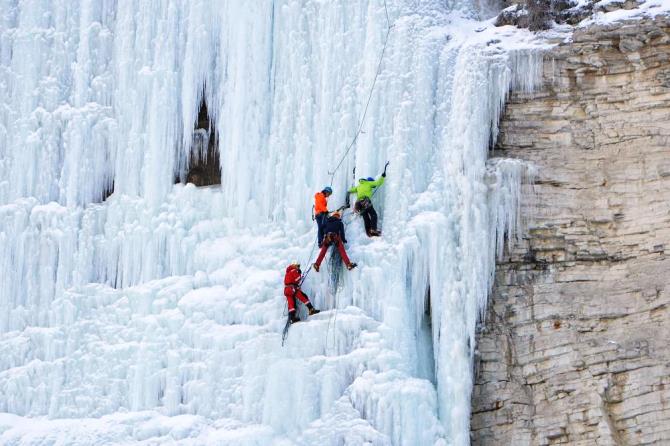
(527, 69)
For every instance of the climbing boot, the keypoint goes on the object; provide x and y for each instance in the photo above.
(351, 266)
(316, 267)
(312, 310)
(293, 317)
(375, 233)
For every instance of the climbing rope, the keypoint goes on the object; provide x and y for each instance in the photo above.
(336, 268)
(367, 104)
(332, 321)
(344, 155)
(311, 254)
(284, 334)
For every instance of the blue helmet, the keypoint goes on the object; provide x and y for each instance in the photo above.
(327, 190)
(370, 179)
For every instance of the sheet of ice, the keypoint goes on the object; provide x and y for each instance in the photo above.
(156, 315)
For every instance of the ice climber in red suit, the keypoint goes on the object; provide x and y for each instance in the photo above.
(292, 281)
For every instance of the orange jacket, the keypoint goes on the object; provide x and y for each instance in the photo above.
(320, 203)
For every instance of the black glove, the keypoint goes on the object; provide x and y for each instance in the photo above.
(384, 174)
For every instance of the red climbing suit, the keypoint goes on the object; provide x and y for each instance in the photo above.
(292, 287)
(334, 239)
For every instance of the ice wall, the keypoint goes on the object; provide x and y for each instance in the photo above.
(165, 300)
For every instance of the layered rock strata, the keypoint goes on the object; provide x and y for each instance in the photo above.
(575, 348)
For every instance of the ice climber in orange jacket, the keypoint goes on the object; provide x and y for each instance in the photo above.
(321, 210)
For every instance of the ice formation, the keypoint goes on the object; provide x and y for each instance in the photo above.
(155, 315)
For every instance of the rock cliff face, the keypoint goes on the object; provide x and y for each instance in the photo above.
(576, 345)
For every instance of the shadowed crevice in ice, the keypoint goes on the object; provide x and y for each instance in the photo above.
(203, 168)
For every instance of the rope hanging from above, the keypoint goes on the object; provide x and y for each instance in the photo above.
(367, 104)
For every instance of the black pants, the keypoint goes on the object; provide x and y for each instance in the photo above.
(367, 211)
(320, 224)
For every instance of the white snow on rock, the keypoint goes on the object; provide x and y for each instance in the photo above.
(638, 10)
(156, 315)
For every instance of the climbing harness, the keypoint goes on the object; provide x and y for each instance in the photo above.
(367, 104)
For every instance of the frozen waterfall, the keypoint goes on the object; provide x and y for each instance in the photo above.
(154, 315)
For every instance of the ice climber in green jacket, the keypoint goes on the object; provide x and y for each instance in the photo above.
(363, 205)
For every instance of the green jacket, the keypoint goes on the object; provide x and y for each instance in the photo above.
(365, 188)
